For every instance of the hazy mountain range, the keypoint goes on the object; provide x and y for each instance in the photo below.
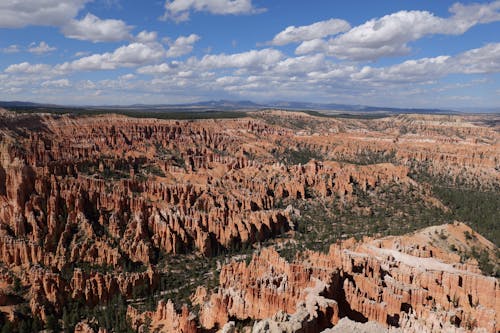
(227, 105)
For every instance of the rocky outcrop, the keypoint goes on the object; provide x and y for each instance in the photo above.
(345, 325)
(376, 280)
(459, 149)
(270, 285)
(97, 288)
(311, 315)
(89, 327)
(90, 206)
(164, 319)
(50, 291)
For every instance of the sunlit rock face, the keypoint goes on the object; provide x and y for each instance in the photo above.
(90, 206)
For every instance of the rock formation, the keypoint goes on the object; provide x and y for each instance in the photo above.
(91, 206)
(393, 281)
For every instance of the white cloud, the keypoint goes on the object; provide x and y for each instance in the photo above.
(251, 59)
(62, 13)
(18, 14)
(146, 36)
(137, 54)
(467, 16)
(390, 34)
(409, 71)
(182, 45)
(134, 54)
(131, 55)
(62, 83)
(311, 46)
(179, 10)
(27, 68)
(94, 29)
(80, 54)
(41, 48)
(271, 64)
(156, 69)
(314, 75)
(300, 65)
(228, 80)
(316, 30)
(256, 74)
(482, 60)
(333, 73)
(128, 76)
(87, 84)
(385, 36)
(11, 49)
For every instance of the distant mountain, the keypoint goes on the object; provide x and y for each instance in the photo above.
(354, 108)
(227, 105)
(17, 104)
(314, 106)
(481, 110)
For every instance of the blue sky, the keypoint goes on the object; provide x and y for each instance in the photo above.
(404, 53)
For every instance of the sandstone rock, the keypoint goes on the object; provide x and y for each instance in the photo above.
(377, 280)
(345, 325)
(165, 319)
(110, 192)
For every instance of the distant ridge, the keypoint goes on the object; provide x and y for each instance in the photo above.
(227, 105)
(5, 104)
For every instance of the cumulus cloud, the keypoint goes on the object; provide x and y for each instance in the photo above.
(134, 54)
(94, 29)
(179, 10)
(467, 16)
(300, 65)
(271, 67)
(261, 74)
(11, 49)
(482, 60)
(155, 69)
(182, 45)
(385, 36)
(128, 76)
(41, 48)
(311, 46)
(146, 36)
(62, 13)
(409, 71)
(18, 14)
(316, 30)
(390, 34)
(80, 54)
(251, 59)
(27, 68)
(131, 55)
(62, 83)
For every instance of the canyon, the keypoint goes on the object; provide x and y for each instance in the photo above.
(276, 221)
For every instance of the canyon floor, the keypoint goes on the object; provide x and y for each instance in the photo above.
(273, 221)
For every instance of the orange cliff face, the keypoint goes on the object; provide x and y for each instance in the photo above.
(393, 281)
(71, 179)
(89, 206)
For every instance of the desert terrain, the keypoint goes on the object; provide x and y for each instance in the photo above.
(275, 221)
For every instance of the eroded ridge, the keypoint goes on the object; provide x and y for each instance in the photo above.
(102, 212)
(407, 283)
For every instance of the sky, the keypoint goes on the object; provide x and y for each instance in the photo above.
(397, 53)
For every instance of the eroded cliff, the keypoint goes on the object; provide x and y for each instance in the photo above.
(99, 211)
